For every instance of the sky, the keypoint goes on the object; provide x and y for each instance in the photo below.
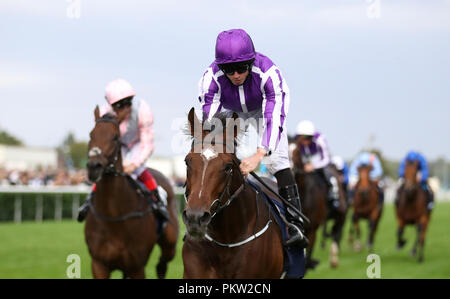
(366, 72)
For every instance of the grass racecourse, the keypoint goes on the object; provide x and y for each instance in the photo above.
(40, 250)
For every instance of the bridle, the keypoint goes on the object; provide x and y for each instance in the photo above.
(110, 167)
(226, 191)
(217, 204)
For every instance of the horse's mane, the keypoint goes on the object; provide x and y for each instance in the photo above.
(109, 116)
(210, 124)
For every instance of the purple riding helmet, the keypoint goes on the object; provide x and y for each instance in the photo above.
(234, 46)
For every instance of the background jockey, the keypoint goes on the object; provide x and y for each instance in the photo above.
(136, 129)
(342, 168)
(316, 157)
(413, 156)
(369, 159)
(244, 81)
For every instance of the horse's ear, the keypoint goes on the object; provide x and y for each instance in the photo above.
(97, 113)
(194, 123)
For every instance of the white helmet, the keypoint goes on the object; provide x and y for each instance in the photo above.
(338, 162)
(306, 127)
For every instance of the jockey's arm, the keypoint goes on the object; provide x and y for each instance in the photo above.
(145, 136)
(209, 94)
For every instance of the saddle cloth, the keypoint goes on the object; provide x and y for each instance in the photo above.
(294, 257)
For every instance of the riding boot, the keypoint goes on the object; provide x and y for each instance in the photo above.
(296, 230)
(84, 208)
(381, 193)
(430, 197)
(160, 203)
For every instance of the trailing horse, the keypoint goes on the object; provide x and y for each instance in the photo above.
(411, 209)
(316, 206)
(121, 228)
(366, 205)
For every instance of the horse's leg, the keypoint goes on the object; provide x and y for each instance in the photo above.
(414, 249)
(140, 274)
(357, 243)
(167, 243)
(423, 225)
(310, 262)
(373, 224)
(324, 234)
(351, 233)
(400, 241)
(336, 232)
(99, 270)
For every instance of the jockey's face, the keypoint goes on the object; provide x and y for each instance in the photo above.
(122, 111)
(238, 79)
(305, 140)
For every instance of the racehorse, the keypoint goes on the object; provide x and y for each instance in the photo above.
(366, 205)
(231, 232)
(314, 200)
(411, 209)
(120, 229)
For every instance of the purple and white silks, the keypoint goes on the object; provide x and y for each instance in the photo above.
(265, 89)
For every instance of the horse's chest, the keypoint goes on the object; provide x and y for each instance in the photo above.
(113, 250)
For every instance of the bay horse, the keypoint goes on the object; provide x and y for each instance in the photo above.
(120, 230)
(314, 200)
(366, 205)
(231, 232)
(411, 209)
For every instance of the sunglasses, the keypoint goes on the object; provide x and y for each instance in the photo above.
(231, 68)
(122, 104)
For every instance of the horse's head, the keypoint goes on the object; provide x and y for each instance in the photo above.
(212, 170)
(297, 155)
(104, 146)
(411, 168)
(364, 175)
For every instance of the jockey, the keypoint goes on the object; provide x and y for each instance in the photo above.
(342, 168)
(244, 81)
(413, 156)
(366, 158)
(136, 129)
(316, 157)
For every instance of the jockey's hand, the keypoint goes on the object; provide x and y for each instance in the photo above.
(129, 168)
(309, 167)
(251, 163)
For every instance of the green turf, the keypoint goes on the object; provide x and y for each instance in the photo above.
(40, 250)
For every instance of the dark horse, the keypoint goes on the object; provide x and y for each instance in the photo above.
(314, 199)
(230, 231)
(411, 209)
(366, 205)
(120, 230)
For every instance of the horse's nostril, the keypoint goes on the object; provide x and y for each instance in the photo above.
(94, 164)
(205, 218)
(195, 217)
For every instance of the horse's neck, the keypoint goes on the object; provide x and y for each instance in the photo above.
(410, 178)
(364, 179)
(233, 222)
(114, 195)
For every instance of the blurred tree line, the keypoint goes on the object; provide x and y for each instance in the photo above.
(73, 152)
(7, 139)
